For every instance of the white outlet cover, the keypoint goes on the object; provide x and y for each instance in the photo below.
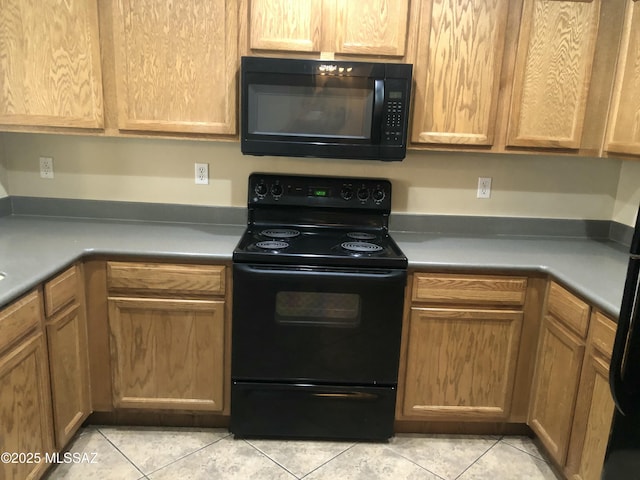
(46, 167)
(202, 174)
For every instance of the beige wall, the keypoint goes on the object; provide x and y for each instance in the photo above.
(155, 170)
(628, 193)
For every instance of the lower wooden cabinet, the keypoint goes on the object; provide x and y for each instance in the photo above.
(25, 397)
(461, 363)
(167, 354)
(557, 372)
(555, 387)
(69, 366)
(594, 407)
(461, 343)
(167, 336)
(66, 328)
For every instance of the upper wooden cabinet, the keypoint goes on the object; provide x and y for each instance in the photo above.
(624, 123)
(175, 65)
(457, 70)
(563, 74)
(375, 27)
(553, 72)
(285, 25)
(50, 64)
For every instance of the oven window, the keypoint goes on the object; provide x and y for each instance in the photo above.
(318, 308)
(310, 111)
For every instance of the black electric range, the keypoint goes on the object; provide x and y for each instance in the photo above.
(318, 295)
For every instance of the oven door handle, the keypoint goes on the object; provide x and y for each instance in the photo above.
(348, 395)
(380, 273)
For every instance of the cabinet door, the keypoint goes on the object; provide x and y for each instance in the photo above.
(461, 363)
(25, 408)
(594, 408)
(69, 365)
(553, 71)
(375, 27)
(167, 354)
(555, 386)
(176, 65)
(50, 72)
(624, 123)
(285, 25)
(457, 71)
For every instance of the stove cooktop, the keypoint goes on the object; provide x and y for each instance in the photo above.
(319, 246)
(316, 220)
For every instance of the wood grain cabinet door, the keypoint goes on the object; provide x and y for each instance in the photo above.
(594, 407)
(556, 51)
(167, 354)
(555, 386)
(69, 365)
(457, 71)
(176, 65)
(624, 122)
(50, 72)
(374, 27)
(25, 408)
(461, 363)
(285, 25)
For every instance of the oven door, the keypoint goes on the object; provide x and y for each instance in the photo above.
(317, 325)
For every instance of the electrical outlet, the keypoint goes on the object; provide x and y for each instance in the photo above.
(484, 187)
(46, 167)
(202, 173)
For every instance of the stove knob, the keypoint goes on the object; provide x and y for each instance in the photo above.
(276, 190)
(346, 193)
(363, 194)
(261, 190)
(378, 194)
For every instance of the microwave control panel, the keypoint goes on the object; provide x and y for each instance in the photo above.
(395, 112)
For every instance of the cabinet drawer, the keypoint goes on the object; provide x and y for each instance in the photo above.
(166, 278)
(569, 309)
(603, 333)
(469, 289)
(60, 291)
(19, 318)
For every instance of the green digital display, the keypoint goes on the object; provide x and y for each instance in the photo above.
(395, 95)
(319, 192)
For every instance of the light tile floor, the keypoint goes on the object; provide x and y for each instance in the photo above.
(132, 453)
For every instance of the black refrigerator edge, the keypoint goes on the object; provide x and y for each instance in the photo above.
(622, 460)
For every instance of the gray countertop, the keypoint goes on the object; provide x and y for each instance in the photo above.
(32, 249)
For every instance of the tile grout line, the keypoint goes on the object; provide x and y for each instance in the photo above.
(144, 475)
(264, 454)
(164, 466)
(542, 459)
(328, 461)
(188, 455)
(416, 463)
(477, 459)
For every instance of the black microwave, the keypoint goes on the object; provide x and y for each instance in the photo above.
(327, 109)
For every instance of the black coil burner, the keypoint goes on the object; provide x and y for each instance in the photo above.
(361, 247)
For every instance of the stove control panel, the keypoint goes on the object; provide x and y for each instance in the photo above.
(319, 191)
